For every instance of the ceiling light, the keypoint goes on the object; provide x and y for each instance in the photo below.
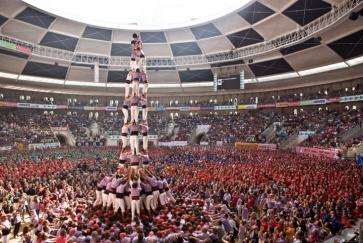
(116, 85)
(203, 84)
(355, 61)
(8, 75)
(41, 80)
(278, 77)
(323, 69)
(164, 85)
(90, 84)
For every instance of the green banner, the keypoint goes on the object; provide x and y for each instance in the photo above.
(88, 108)
(305, 102)
(7, 45)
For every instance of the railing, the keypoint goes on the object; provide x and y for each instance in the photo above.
(304, 33)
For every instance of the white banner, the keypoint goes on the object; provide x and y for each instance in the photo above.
(97, 72)
(5, 148)
(203, 126)
(36, 106)
(111, 108)
(173, 143)
(251, 107)
(43, 145)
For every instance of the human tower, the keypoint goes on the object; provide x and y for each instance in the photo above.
(134, 187)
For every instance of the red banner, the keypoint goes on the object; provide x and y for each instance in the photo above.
(23, 49)
(317, 152)
(172, 108)
(62, 106)
(293, 103)
(195, 108)
(100, 108)
(265, 105)
(332, 100)
(10, 104)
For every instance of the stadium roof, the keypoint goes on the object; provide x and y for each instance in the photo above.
(255, 26)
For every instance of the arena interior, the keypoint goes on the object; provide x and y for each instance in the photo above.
(181, 121)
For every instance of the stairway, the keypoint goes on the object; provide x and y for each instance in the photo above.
(291, 142)
(351, 133)
(269, 132)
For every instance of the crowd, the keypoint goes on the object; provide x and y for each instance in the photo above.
(221, 195)
(24, 129)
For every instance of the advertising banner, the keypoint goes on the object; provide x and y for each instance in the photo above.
(62, 107)
(111, 108)
(332, 100)
(5, 148)
(266, 105)
(204, 126)
(184, 108)
(43, 145)
(36, 106)
(151, 108)
(246, 145)
(282, 104)
(89, 108)
(251, 107)
(10, 104)
(317, 152)
(195, 108)
(23, 49)
(172, 108)
(89, 144)
(306, 133)
(7, 45)
(205, 108)
(293, 103)
(225, 107)
(173, 143)
(75, 107)
(160, 108)
(255, 146)
(318, 102)
(305, 102)
(350, 98)
(102, 108)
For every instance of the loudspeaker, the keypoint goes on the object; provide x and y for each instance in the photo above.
(361, 12)
(250, 61)
(353, 16)
(188, 69)
(56, 64)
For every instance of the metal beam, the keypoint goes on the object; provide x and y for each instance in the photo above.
(308, 31)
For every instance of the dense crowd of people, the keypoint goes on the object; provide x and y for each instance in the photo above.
(221, 195)
(24, 129)
(327, 125)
